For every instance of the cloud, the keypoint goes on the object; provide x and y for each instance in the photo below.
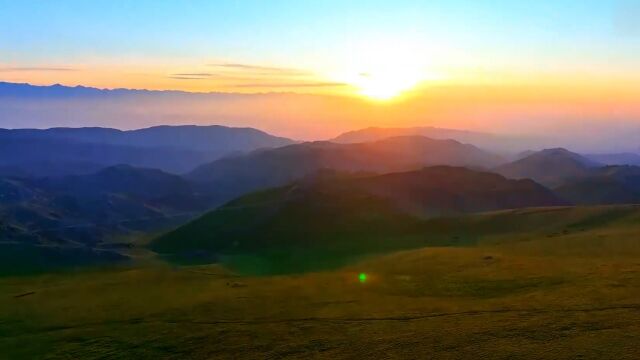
(11, 69)
(187, 78)
(260, 69)
(290, 85)
(195, 74)
(191, 76)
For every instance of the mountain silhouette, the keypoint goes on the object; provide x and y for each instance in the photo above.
(236, 175)
(177, 149)
(550, 167)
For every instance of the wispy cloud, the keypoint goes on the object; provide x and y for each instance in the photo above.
(260, 69)
(192, 76)
(12, 69)
(195, 74)
(290, 85)
(187, 78)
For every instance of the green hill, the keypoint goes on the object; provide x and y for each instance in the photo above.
(323, 222)
(604, 185)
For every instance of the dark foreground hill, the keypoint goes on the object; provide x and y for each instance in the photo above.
(237, 175)
(78, 219)
(604, 185)
(321, 222)
(178, 149)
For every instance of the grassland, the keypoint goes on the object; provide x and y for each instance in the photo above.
(557, 283)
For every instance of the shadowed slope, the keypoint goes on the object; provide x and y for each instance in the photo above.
(606, 185)
(327, 220)
(550, 167)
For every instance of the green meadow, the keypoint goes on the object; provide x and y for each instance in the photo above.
(546, 283)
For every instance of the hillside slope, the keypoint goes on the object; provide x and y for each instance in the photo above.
(602, 186)
(77, 219)
(326, 221)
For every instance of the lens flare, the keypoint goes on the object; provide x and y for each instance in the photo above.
(362, 277)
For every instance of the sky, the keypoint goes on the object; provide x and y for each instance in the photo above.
(313, 46)
(521, 58)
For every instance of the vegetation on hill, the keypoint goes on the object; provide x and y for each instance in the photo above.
(324, 222)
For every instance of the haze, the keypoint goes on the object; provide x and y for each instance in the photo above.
(528, 68)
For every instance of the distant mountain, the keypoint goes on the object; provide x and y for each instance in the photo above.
(336, 217)
(491, 142)
(122, 179)
(236, 175)
(178, 149)
(550, 167)
(523, 154)
(212, 139)
(604, 186)
(616, 159)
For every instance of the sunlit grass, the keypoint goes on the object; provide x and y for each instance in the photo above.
(523, 294)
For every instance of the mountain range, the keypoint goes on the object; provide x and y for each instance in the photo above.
(299, 116)
(83, 196)
(177, 149)
(237, 175)
(576, 178)
(550, 167)
(491, 142)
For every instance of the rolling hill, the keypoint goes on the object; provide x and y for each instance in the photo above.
(236, 175)
(328, 220)
(87, 215)
(550, 167)
(604, 185)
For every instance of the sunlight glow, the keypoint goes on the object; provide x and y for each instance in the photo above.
(385, 85)
(386, 68)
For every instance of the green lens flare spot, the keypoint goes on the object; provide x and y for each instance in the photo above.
(362, 277)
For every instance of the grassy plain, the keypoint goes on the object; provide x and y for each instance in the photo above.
(557, 283)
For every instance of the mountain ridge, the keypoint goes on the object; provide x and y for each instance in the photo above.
(275, 167)
(176, 149)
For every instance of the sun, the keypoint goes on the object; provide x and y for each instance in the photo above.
(385, 69)
(385, 85)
